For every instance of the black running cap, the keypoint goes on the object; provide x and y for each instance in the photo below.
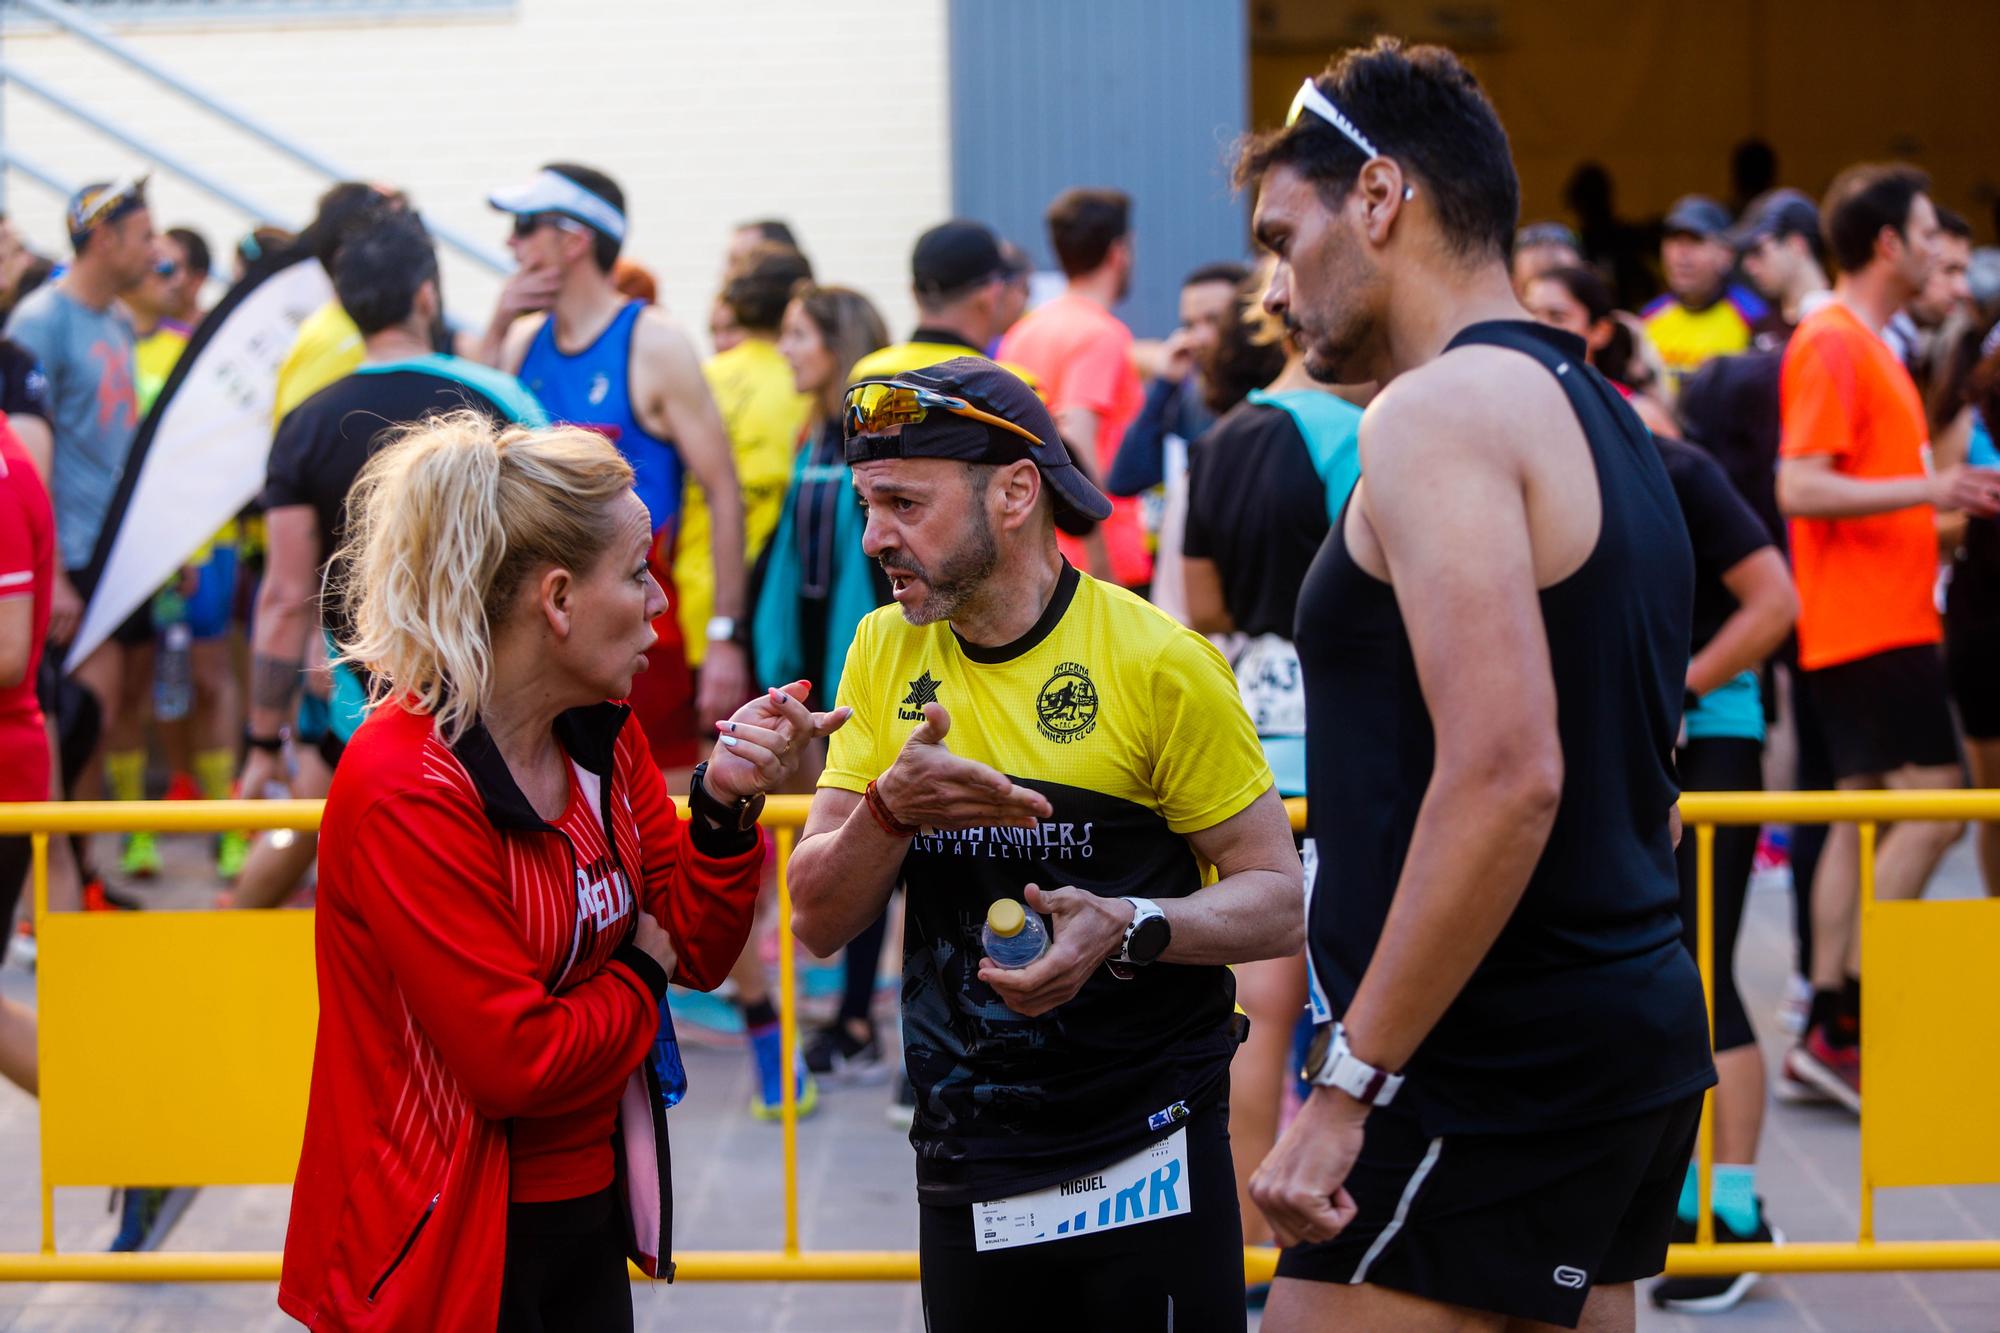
(1079, 505)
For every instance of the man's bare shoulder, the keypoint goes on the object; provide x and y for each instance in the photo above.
(1473, 403)
(519, 337)
(659, 334)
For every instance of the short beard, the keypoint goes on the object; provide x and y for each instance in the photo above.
(961, 574)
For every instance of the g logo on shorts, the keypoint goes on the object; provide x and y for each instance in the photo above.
(1572, 1278)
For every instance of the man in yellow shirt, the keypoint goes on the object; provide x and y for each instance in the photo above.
(1703, 314)
(959, 279)
(327, 346)
(763, 411)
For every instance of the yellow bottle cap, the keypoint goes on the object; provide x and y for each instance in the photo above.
(1005, 918)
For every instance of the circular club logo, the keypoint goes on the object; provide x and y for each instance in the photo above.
(1066, 708)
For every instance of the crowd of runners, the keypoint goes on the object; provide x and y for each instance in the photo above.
(1488, 538)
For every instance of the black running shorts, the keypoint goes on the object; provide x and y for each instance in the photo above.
(1886, 711)
(1519, 1224)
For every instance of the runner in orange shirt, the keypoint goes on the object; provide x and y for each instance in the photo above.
(1853, 480)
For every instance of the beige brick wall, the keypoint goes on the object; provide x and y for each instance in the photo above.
(708, 112)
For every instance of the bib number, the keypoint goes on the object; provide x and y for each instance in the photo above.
(1145, 1187)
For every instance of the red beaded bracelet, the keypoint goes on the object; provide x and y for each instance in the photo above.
(887, 822)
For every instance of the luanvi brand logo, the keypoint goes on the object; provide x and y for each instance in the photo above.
(923, 690)
(1572, 1278)
(1066, 708)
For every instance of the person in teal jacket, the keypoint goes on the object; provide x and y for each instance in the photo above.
(814, 584)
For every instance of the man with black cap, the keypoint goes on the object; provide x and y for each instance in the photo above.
(1784, 257)
(1703, 314)
(1098, 758)
(959, 278)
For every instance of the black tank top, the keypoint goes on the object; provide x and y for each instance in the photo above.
(1588, 1007)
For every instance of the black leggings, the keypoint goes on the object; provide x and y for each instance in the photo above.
(565, 1268)
(1176, 1273)
(858, 967)
(1722, 763)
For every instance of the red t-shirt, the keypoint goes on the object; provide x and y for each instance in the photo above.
(27, 570)
(1081, 357)
(1866, 584)
(582, 920)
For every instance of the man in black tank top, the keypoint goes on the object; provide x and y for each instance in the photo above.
(1494, 640)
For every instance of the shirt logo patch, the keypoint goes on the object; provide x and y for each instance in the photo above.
(1066, 708)
(602, 896)
(923, 690)
(600, 386)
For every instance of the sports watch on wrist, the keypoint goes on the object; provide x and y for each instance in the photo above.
(1147, 936)
(721, 629)
(1330, 1064)
(741, 816)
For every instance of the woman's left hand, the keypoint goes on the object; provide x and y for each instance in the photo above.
(765, 741)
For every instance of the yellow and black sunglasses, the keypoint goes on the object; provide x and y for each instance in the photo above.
(882, 408)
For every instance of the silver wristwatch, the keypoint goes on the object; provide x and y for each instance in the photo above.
(1331, 1064)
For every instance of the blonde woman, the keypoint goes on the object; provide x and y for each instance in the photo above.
(505, 891)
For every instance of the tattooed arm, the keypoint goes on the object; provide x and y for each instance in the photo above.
(286, 616)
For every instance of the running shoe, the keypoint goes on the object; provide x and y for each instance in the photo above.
(768, 1102)
(145, 1216)
(181, 787)
(1771, 868)
(99, 898)
(23, 951)
(836, 1053)
(141, 858)
(903, 1110)
(231, 850)
(1834, 1070)
(1713, 1295)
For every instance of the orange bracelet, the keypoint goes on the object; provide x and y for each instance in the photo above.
(887, 822)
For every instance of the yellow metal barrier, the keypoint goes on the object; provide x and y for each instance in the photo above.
(242, 983)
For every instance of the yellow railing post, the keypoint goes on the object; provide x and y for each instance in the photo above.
(1704, 916)
(40, 852)
(788, 1040)
(1865, 1232)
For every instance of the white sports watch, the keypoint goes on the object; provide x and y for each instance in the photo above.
(1330, 1064)
(1147, 936)
(721, 629)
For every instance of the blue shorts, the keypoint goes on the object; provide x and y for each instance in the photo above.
(208, 611)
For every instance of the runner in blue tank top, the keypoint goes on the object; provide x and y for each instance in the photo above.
(626, 368)
(1494, 641)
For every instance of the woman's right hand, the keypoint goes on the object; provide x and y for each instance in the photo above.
(652, 939)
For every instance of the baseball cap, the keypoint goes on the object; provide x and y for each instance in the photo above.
(955, 255)
(1782, 212)
(104, 202)
(973, 410)
(1547, 233)
(552, 192)
(1695, 215)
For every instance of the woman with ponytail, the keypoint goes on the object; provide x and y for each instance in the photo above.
(505, 891)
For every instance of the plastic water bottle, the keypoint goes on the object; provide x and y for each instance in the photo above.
(173, 667)
(1013, 936)
(667, 1060)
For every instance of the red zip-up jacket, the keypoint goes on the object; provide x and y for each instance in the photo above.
(438, 1024)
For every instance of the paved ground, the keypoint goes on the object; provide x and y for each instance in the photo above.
(855, 1178)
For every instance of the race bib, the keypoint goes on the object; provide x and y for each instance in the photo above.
(1145, 1187)
(1272, 686)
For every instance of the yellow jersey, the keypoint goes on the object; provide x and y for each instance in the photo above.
(1133, 728)
(765, 416)
(326, 348)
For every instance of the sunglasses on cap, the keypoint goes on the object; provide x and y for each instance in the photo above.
(1310, 98)
(105, 204)
(167, 268)
(885, 407)
(527, 224)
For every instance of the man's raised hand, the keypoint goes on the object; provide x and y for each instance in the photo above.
(930, 787)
